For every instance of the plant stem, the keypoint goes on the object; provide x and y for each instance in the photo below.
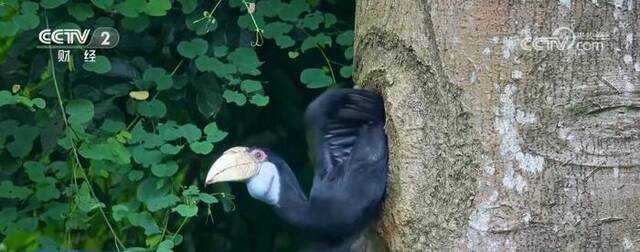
(73, 145)
(333, 76)
(324, 55)
(259, 40)
(184, 221)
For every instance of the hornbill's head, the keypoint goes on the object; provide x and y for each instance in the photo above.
(250, 165)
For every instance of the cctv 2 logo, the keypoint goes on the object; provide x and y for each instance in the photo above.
(102, 38)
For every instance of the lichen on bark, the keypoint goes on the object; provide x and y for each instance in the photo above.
(498, 148)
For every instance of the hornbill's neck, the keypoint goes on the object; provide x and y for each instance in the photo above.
(279, 187)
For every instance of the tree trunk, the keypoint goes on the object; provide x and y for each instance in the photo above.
(497, 145)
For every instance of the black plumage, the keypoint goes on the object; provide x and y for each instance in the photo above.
(349, 144)
(346, 129)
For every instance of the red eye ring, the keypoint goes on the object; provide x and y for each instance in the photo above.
(259, 154)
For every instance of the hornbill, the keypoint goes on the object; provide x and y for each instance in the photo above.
(346, 127)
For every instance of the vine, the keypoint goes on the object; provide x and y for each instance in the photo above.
(114, 164)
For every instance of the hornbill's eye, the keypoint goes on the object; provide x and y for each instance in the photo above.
(259, 155)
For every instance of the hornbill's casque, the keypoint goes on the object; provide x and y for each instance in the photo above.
(349, 144)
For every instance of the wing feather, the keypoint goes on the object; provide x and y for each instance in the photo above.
(336, 120)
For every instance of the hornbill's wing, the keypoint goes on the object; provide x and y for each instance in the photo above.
(336, 120)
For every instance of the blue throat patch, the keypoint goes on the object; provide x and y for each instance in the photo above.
(265, 185)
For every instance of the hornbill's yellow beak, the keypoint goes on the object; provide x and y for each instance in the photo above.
(235, 164)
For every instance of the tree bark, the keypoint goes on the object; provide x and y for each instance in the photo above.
(495, 146)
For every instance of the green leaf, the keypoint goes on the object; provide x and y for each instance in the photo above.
(269, 8)
(60, 168)
(192, 190)
(190, 132)
(102, 65)
(162, 202)
(135, 175)
(193, 48)
(80, 111)
(131, 8)
(55, 211)
(80, 11)
(146, 157)
(170, 149)
(201, 147)
(246, 60)
(259, 100)
(275, 29)
(165, 246)
(35, 171)
(285, 41)
(165, 169)
(8, 29)
(136, 24)
(50, 4)
(315, 78)
(329, 20)
(348, 53)
(152, 141)
(39, 103)
(188, 6)
(319, 40)
(220, 51)
(234, 97)
(28, 224)
(85, 201)
(26, 21)
(146, 221)
(291, 11)
(346, 71)
(29, 7)
(10, 191)
(157, 8)
(119, 212)
(111, 150)
(148, 189)
(152, 108)
(103, 4)
(312, 21)
(186, 210)
(208, 64)
(112, 126)
(246, 22)
(7, 217)
(345, 38)
(47, 190)
(207, 198)
(23, 141)
(169, 131)
(249, 86)
(214, 134)
(138, 134)
(293, 54)
(153, 240)
(160, 76)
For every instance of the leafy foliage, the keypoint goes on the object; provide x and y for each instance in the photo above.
(107, 154)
